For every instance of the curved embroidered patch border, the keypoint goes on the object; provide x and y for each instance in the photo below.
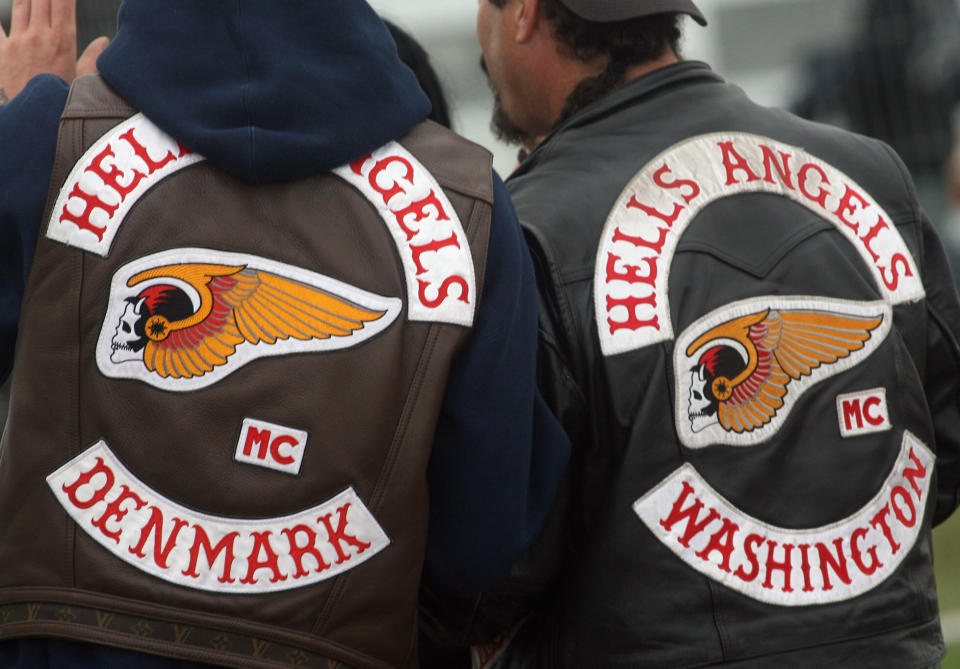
(109, 178)
(740, 369)
(642, 231)
(186, 318)
(793, 567)
(229, 555)
(433, 247)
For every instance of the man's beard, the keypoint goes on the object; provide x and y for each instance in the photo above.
(502, 125)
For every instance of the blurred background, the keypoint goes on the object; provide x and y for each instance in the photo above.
(886, 68)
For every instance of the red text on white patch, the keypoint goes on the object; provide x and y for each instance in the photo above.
(790, 567)
(109, 178)
(230, 555)
(863, 412)
(270, 445)
(641, 234)
(433, 247)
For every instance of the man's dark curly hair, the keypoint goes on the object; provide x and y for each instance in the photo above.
(624, 43)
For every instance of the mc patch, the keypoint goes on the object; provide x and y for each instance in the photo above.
(742, 368)
(863, 412)
(271, 446)
(184, 319)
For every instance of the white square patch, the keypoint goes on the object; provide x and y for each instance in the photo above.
(272, 446)
(863, 412)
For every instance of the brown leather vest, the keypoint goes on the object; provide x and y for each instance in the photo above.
(225, 395)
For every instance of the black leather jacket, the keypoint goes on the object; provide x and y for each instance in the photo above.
(753, 328)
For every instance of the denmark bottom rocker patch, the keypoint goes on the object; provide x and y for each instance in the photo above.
(230, 555)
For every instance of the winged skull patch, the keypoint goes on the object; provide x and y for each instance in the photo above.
(740, 369)
(184, 319)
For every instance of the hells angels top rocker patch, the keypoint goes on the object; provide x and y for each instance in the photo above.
(642, 231)
(133, 157)
(108, 180)
(433, 247)
(184, 319)
(741, 369)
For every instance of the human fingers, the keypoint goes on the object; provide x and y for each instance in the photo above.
(19, 16)
(40, 14)
(87, 63)
(63, 13)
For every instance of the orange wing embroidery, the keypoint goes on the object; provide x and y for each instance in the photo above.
(781, 346)
(240, 305)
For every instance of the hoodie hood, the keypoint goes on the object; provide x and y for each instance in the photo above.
(269, 90)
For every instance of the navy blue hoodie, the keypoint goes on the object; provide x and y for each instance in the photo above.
(274, 90)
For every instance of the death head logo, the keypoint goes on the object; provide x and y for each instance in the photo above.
(739, 372)
(710, 384)
(184, 325)
(147, 317)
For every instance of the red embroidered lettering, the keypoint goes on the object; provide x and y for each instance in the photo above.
(773, 565)
(421, 210)
(868, 238)
(750, 548)
(154, 526)
(338, 536)
(633, 322)
(821, 197)
(640, 242)
(722, 542)
(857, 554)
(669, 219)
(91, 203)
(848, 206)
(357, 165)
(913, 473)
(770, 164)
(84, 479)
(310, 547)
(805, 567)
(432, 246)
(690, 514)
(111, 177)
(380, 167)
(879, 521)
(257, 436)
(734, 162)
(851, 412)
(261, 544)
(836, 563)
(894, 280)
(115, 510)
(283, 440)
(142, 153)
(444, 291)
(872, 418)
(225, 546)
(678, 183)
(908, 519)
(631, 273)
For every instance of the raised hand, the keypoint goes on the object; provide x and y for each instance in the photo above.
(43, 38)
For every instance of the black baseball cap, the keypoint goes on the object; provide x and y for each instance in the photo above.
(607, 11)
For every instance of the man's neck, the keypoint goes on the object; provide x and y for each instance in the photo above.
(635, 71)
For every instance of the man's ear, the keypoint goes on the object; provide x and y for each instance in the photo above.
(526, 19)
